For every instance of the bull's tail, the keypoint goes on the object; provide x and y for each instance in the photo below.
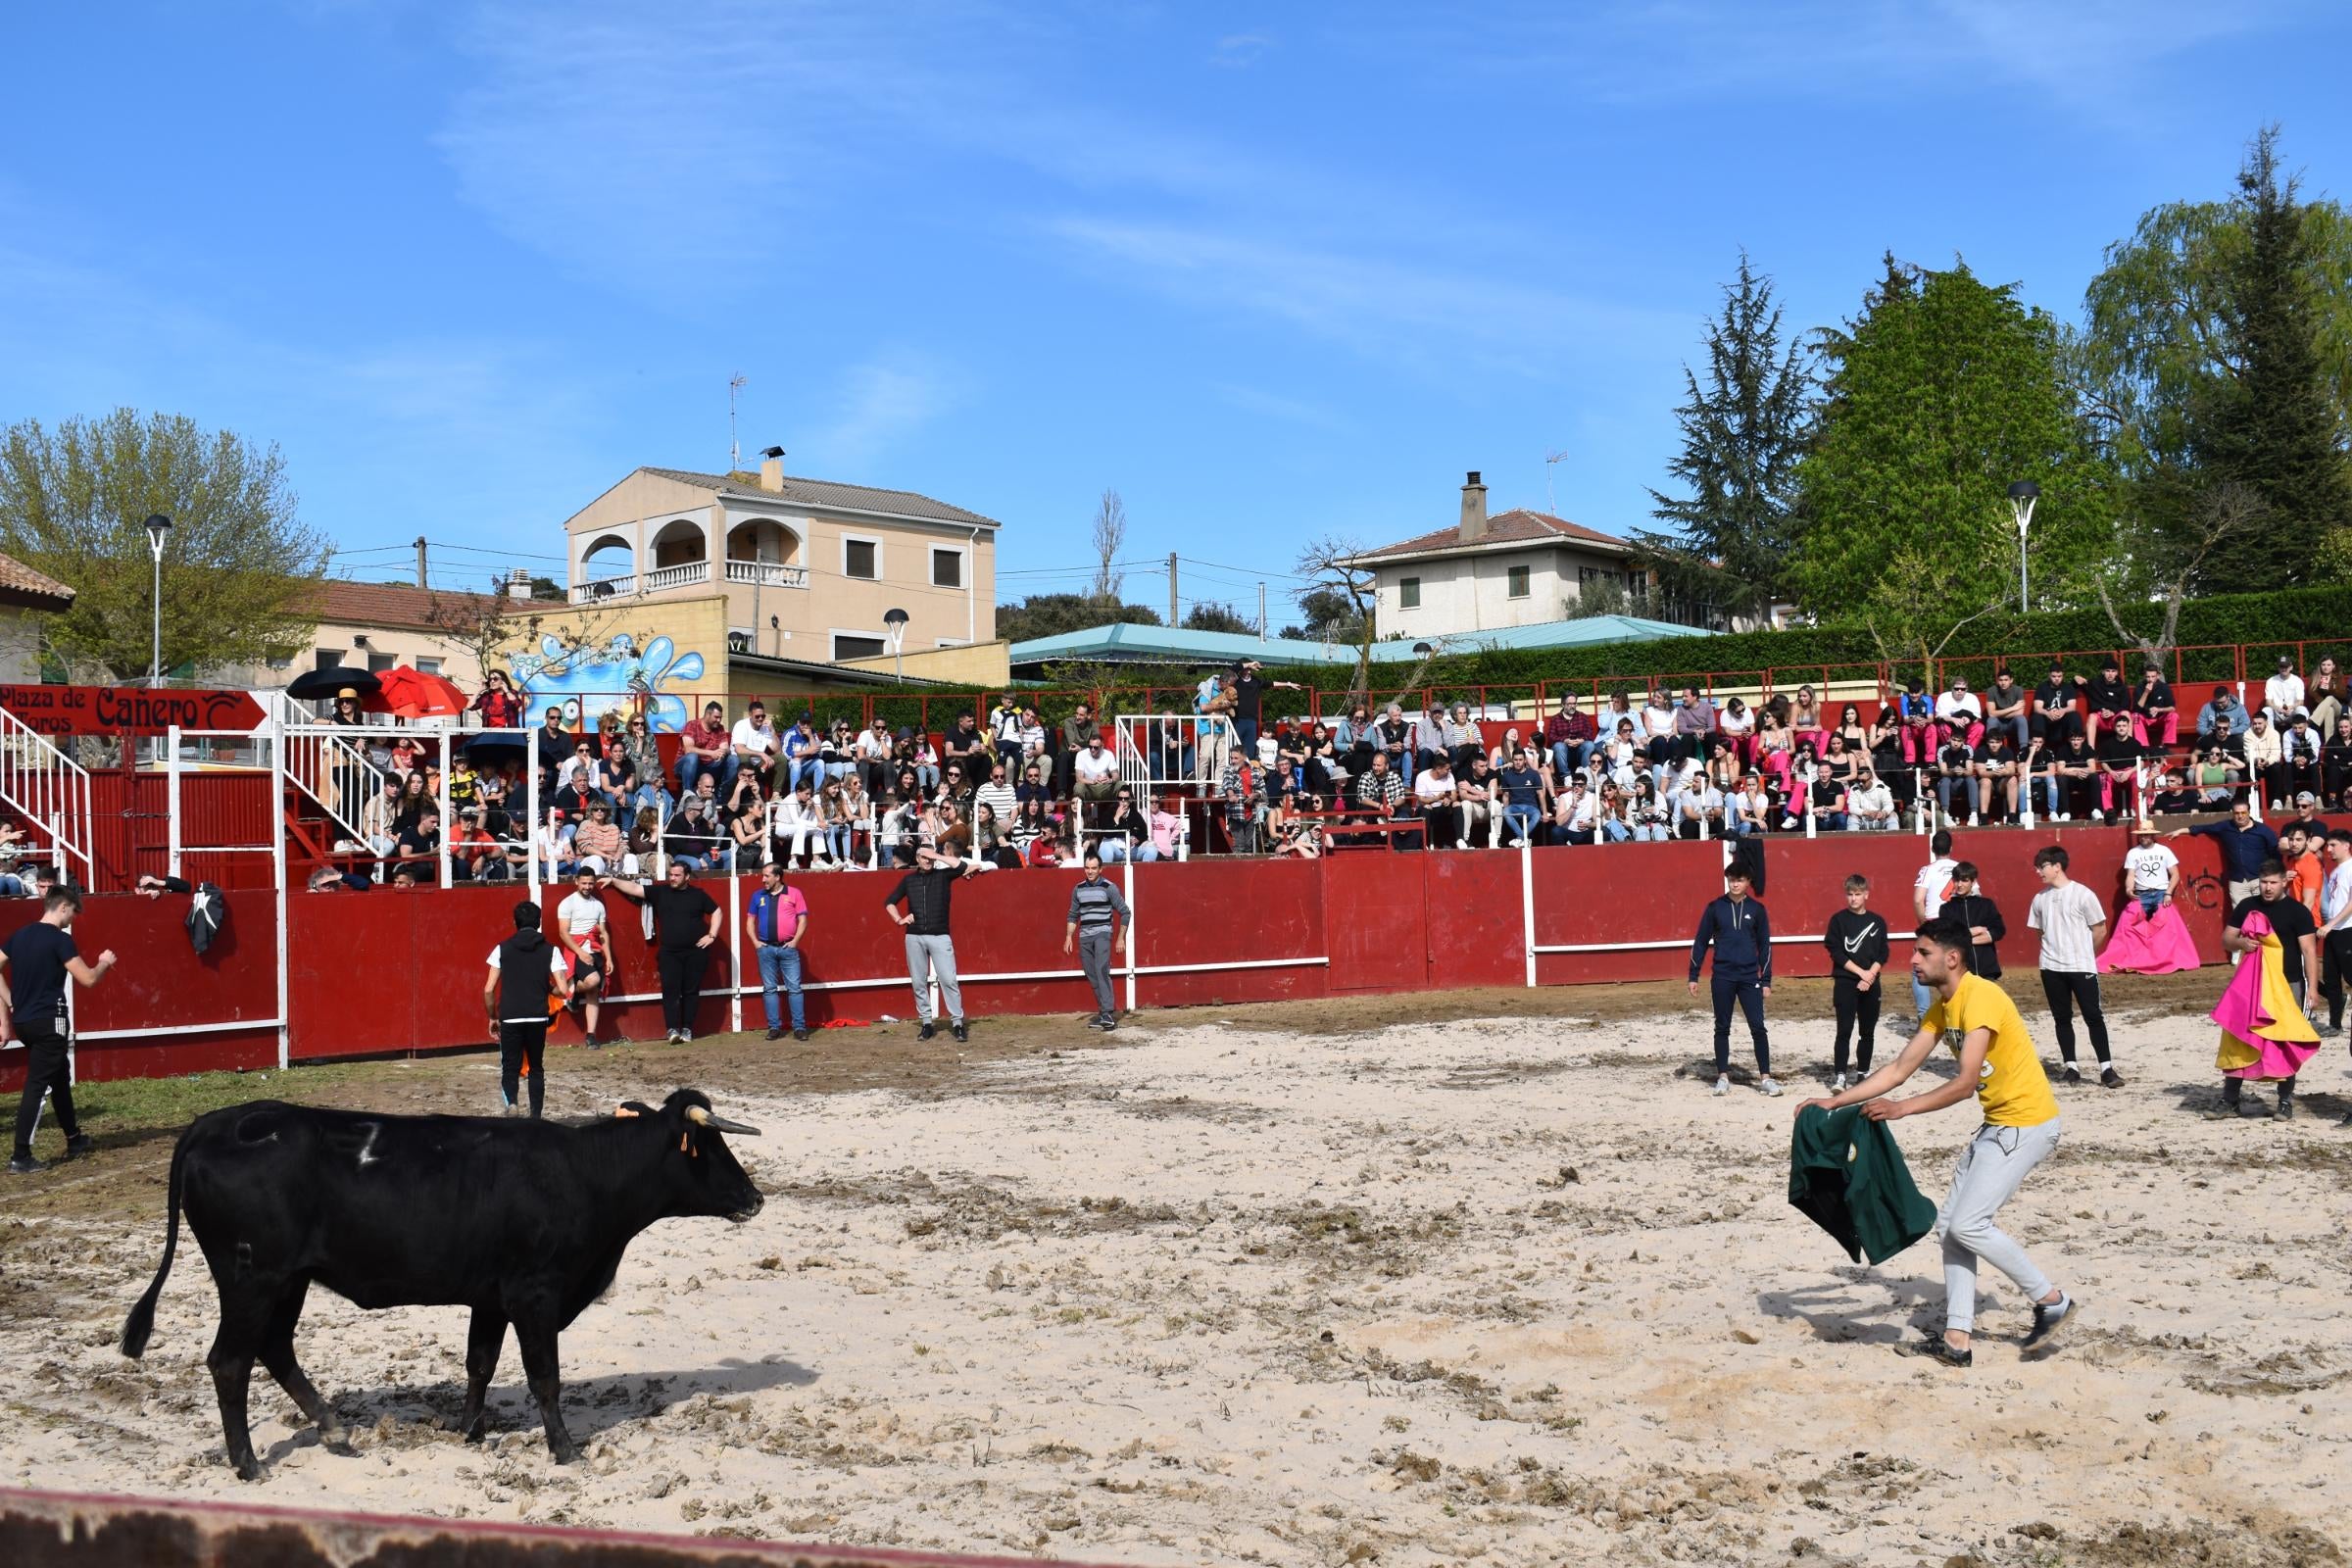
(141, 1323)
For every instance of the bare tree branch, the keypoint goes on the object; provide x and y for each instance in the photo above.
(1329, 562)
(1110, 535)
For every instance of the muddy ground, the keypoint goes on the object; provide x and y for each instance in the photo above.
(1404, 1279)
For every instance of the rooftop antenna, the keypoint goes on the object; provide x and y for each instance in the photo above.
(1552, 460)
(734, 447)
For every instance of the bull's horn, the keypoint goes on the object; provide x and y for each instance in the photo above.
(720, 1124)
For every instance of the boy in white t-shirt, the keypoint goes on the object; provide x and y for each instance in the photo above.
(2070, 920)
(587, 939)
(1927, 901)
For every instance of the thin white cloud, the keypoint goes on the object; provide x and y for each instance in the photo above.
(1273, 406)
(1240, 50)
(880, 405)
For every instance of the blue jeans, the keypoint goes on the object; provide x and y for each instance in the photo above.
(1569, 756)
(812, 769)
(692, 767)
(2149, 902)
(1244, 732)
(780, 965)
(1519, 821)
(1115, 850)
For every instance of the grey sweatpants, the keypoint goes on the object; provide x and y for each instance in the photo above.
(927, 957)
(1094, 955)
(1992, 1169)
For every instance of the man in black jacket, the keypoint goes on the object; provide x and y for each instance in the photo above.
(1857, 944)
(523, 979)
(927, 891)
(1737, 927)
(1975, 910)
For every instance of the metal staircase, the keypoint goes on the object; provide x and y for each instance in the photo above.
(50, 794)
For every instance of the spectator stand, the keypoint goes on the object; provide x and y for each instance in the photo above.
(49, 792)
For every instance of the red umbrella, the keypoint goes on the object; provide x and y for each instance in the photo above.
(412, 694)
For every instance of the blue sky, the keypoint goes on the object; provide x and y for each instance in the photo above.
(1270, 272)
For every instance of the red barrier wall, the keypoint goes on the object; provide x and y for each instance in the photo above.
(386, 972)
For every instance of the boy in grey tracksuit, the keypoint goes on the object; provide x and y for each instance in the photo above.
(1097, 924)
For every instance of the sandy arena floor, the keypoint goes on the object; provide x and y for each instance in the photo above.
(1506, 1289)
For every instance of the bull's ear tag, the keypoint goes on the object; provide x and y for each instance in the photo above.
(624, 1110)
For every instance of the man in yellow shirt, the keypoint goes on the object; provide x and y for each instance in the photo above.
(1997, 1064)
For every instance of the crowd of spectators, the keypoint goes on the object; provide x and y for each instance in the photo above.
(1014, 791)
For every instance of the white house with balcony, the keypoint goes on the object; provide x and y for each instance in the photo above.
(1515, 568)
(809, 567)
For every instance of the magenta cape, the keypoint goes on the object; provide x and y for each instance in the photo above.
(2140, 946)
(2263, 1033)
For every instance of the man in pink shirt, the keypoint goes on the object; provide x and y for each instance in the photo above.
(1167, 828)
(779, 919)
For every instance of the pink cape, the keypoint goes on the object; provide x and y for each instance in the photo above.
(2140, 946)
(2263, 1033)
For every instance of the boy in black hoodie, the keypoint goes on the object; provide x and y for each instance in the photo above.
(1857, 944)
(1971, 908)
(1737, 927)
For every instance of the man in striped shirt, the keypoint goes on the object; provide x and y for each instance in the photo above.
(1097, 924)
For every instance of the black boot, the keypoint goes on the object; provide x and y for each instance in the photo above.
(2232, 1098)
(2286, 1100)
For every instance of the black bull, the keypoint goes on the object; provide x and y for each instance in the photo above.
(523, 1221)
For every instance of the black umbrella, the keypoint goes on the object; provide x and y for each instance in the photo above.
(496, 748)
(323, 684)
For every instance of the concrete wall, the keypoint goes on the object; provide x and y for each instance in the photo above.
(20, 645)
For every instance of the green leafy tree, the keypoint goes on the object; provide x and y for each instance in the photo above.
(1217, 618)
(1051, 614)
(1938, 396)
(238, 567)
(1603, 596)
(2269, 423)
(1727, 539)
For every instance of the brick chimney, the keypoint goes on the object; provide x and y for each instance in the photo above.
(1474, 510)
(771, 471)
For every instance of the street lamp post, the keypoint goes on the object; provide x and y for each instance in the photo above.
(2021, 496)
(158, 528)
(893, 621)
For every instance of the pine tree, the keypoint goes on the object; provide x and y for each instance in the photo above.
(1728, 540)
(2269, 423)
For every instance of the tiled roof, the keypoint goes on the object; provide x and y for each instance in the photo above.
(18, 577)
(830, 493)
(384, 604)
(1515, 527)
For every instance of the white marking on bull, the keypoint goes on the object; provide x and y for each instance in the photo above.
(366, 1149)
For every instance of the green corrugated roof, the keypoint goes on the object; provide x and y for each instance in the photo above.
(1123, 642)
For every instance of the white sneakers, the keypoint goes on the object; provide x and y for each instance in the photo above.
(2098, 815)
(1767, 1088)
(1972, 820)
(1723, 1085)
(1838, 1085)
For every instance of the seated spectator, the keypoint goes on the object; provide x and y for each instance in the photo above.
(1851, 729)
(2119, 762)
(2006, 710)
(1870, 804)
(1382, 793)
(1095, 778)
(1826, 796)
(550, 741)
(854, 819)
(420, 841)
(2325, 697)
(2224, 716)
(2266, 764)
(1748, 809)
(1522, 798)
(2071, 779)
(1959, 712)
(599, 846)
(1839, 762)
(1569, 734)
(1169, 830)
(795, 825)
(1695, 724)
(2217, 773)
(999, 796)
(2173, 798)
(2336, 762)
(2299, 757)
(989, 841)
(474, 856)
(703, 748)
(1775, 747)
(2000, 775)
(1560, 820)
(2282, 693)
(2056, 708)
(1736, 725)
(744, 840)
(1699, 809)
(962, 743)
(1915, 703)
(1127, 829)
(2109, 698)
(1479, 795)
(1648, 814)
(615, 777)
(1724, 767)
(643, 845)
(1805, 719)
(1434, 792)
(1033, 785)
(1956, 776)
(379, 821)
(2155, 720)
(692, 837)
(1029, 826)
(1657, 731)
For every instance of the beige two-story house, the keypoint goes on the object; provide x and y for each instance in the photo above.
(809, 569)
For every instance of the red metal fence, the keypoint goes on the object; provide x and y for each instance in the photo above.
(391, 972)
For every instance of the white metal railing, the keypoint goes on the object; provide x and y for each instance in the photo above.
(322, 761)
(49, 791)
(767, 573)
(679, 577)
(1152, 747)
(595, 588)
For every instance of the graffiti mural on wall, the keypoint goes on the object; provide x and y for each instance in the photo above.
(592, 678)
